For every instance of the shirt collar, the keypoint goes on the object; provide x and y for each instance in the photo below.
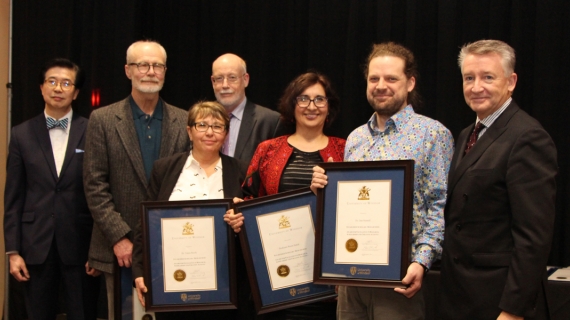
(488, 121)
(396, 121)
(68, 115)
(138, 113)
(191, 162)
(238, 111)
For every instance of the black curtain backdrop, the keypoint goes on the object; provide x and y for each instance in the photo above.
(281, 39)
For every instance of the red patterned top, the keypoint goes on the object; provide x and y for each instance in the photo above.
(270, 158)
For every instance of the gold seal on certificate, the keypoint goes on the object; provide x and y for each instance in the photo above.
(283, 271)
(351, 245)
(179, 275)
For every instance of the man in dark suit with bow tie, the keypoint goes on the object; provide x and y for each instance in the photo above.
(499, 215)
(47, 224)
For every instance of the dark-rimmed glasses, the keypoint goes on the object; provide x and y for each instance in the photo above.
(65, 85)
(305, 101)
(144, 67)
(203, 127)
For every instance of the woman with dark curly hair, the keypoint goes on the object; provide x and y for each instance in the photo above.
(286, 163)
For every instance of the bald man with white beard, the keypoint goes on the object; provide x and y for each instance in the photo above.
(250, 124)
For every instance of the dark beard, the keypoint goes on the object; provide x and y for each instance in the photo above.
(389, 109)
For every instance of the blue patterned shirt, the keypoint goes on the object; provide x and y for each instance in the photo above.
(408, 135)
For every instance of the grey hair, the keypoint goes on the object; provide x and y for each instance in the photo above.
(481, 47)
(137, 43)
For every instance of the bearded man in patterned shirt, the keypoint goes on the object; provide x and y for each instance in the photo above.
(396, 132)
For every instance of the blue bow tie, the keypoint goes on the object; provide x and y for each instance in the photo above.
(52, 123)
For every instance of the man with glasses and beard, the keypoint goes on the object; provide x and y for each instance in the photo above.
(123, 141)
(396, 132)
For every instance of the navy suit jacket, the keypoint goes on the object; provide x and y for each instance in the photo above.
(41, 207)
(499, 220)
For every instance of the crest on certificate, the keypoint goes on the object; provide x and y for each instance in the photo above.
(363, 193)
(188, 229)
(352, 270)
(292, 292)
(183, 297)
(284, 222)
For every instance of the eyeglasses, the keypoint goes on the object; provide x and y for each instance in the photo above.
(232, 78)
(203, 127)
(65, 84)
(144, 67)
(305, 101)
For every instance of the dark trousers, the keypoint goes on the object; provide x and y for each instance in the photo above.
(41, 291)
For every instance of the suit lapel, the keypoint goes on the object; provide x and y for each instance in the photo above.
(126, 130)
(169, 131)
(42, 135)
(245, 130)
(170, 181)
(492, 133)
(76, 133)
(227, 178)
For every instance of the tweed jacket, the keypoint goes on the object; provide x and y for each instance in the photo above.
(114, 176)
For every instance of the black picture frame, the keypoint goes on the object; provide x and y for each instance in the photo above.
(225, 294)
(400, 174)
(265, 298)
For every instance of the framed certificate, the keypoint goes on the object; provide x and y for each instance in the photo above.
(363, 228)
(277, 240)
(189, 255)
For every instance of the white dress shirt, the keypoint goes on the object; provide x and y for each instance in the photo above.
(59, 138)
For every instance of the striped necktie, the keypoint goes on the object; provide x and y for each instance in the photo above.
(52, 123)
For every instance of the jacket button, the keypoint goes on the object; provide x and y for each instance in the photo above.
(465, 196)
(458, 227)
(455, 259)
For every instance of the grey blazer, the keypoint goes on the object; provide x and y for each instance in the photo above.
(113, 173)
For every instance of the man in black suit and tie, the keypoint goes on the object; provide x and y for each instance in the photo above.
(500, 212)
(47, 224)
(250, 124)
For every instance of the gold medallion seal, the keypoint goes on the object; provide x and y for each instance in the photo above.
(283, 270)
(179, 275)
(351, 245)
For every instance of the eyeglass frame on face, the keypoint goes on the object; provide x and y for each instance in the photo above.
(232, 78)
(64, 84)
(208, 126)
(148, 65)
(314, 101)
